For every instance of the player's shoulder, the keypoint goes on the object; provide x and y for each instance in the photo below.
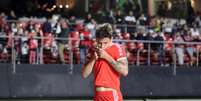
(119, 51)
(117, 46)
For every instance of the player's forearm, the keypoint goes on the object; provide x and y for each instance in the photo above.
(88, 67)
(119, 66)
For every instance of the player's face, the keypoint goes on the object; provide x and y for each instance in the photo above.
(104, 43)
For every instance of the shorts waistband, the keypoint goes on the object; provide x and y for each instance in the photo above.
(104, 89)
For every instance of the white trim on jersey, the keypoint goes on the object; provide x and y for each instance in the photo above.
(121, 58)
(115, 95)
(120, 50)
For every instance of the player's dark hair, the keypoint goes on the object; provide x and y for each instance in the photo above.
(104, 31)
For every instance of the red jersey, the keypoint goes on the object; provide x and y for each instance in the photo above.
(104, 74)
(33, 44)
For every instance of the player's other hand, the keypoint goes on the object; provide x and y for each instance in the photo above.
(95, 56)
(102, 53)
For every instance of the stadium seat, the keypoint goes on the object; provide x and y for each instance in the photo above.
(131, 52)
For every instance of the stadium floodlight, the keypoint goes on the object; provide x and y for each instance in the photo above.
(60, 6)
(54, 6)
(67, 6)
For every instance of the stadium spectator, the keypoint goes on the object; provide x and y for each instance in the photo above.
(2, 41)
(142, 20)
(91, 27)
(24, 52)
(72, 22)
(47, 28)
(17, 44)
(88, 18)
(9, 40)
(179, 48)
(74, 46)
(63, 39)
(117, 34)
(24, 48)
(168, 28)
(39, 35)
(159, 47)
(148, 37)
(198, 21)
(168, 48)
(109, 17)
(119, 17)
(85, 43)
(54, 48)
(33, 44)
(189, 47)
(130, 20)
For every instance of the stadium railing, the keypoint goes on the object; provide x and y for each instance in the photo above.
(138, 54)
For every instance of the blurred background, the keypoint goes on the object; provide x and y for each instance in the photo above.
(40, 8)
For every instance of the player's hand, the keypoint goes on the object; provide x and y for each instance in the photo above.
(102, 53)
(95, 56)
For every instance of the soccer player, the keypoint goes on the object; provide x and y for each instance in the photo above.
(108, 62)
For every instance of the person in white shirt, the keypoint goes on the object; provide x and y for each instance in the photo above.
(24, 52)
(179, 49)
(195, 32)
(130, 18)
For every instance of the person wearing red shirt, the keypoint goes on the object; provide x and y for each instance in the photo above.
(107, 63)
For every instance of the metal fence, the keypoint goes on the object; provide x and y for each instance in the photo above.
(123, 42)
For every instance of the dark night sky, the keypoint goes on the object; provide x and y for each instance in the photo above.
(23, 6)
(8, 4)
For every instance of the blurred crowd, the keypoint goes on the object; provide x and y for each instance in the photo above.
(64, 40)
